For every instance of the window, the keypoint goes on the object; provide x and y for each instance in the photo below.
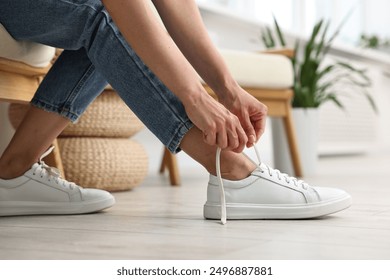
(299, 16)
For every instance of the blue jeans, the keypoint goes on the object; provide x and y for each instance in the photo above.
(95, 53)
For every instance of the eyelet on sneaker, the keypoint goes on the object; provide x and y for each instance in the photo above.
(265, 198)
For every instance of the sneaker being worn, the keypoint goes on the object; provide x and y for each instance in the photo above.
(269, 194)
(41, 191)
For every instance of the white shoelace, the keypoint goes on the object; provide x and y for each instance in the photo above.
(263, 168)
(283, 176)
(51, 173)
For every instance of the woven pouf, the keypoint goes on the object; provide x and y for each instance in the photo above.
(107, 116)
(109, 164)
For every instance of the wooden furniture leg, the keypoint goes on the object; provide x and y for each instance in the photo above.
(169, 161)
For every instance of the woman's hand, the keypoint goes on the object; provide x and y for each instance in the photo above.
(251, 113)
(237, 121)
(219, 126)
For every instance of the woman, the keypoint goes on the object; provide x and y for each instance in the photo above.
(123, 43)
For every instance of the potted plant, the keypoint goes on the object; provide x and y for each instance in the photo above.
(314, 84)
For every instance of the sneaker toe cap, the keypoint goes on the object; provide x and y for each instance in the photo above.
(95, 194)
(330, 194)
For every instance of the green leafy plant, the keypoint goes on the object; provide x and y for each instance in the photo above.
(373, 42)
(314, 82)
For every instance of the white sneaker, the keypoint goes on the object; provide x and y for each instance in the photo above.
(41, 191)
(269, 194)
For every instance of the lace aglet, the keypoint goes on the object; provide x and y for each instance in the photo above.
(223, 221)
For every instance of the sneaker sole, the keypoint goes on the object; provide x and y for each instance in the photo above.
(274, 212)
(21, 208)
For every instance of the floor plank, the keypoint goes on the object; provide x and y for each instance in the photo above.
(156, 221)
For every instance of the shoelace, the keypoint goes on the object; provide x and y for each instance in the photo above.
(263, 168)
(288, 179)
(51, 173)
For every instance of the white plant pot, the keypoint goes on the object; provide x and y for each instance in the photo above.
(306, 122)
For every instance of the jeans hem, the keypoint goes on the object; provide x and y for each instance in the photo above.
(174, 145)
(73, 117)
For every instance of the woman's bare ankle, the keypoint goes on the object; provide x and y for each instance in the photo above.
(10, 169)
(234, 166)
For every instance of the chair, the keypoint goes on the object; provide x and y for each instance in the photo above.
(268, 77)
(22, 67)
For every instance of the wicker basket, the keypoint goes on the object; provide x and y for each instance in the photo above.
(107, 116)
(103, 163)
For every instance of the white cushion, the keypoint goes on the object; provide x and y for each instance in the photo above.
(251, 69)
(33, 54)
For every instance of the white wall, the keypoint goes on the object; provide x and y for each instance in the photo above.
(299, 16)
(369, 130)
(377, 20)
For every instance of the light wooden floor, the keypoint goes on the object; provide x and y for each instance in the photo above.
(156, 221)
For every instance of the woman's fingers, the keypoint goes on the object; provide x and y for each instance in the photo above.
(241, 139)
(227, 135)
(258, 120)
(227, 129)
(249, 129)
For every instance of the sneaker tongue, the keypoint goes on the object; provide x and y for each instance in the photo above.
(262, 167)
(258, 169)
(34, 167)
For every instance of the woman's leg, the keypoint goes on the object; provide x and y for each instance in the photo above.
(233, 166)
(114, 59)
(27, 185)
(71, 84)
(33, 137)
(86, 26)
